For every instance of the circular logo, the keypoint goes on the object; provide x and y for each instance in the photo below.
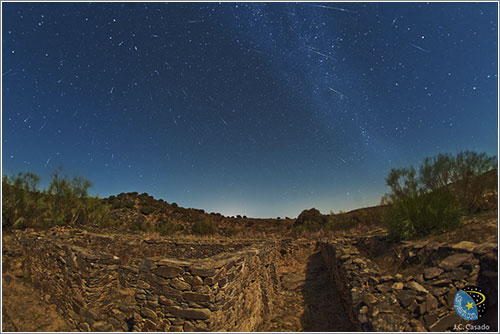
(470, 303)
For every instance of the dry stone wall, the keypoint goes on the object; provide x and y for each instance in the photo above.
(422, 301)
(99, 291)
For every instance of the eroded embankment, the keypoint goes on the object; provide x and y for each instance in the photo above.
(122, 283)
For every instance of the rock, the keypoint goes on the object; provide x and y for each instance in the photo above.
(90, 313)
(405, 297)
(485, 248)
(179, 285)
(189, 327)
(450, 296)
(143, 285)
(140, 296)
(162, 326)
(456, 274)
(430, 273)
(466, 246)
(369, 299)
(168, 272)
(416, 286)
(172, 263)
(149, 313)
(446, 323)
(417, 326)
(201, 314)
(102, 326)
(146, 265)
(149, 325)
(84, 327)
(431, 303)
(193, 280)
(430, 319)
(362, 318)
(152, 304)
(359, 261)
(202, 271)
(383, 288)
(454, 261)
(164, 301)
(175, 329)
(126, 308)
(441, 282)
(196, 297)
(398, 286)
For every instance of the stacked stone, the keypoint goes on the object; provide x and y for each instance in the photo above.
(414, 302)
(98, 291)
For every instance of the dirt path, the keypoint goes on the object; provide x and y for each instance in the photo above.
(308, 299)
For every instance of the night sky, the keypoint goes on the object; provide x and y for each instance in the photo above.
(258, 109)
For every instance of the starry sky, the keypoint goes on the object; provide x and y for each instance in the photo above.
(258, 109)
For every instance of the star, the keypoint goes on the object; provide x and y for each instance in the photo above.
(469, 305)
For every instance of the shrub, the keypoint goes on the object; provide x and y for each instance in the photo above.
(434, 201)
(308, 226)
(417, 216)
(166, 227)
(65, 202)
(146, 210)
(204, 227)
(459, 174)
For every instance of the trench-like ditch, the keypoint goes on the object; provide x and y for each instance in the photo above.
(309, 299)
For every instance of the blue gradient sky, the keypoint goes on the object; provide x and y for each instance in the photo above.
(255, 109)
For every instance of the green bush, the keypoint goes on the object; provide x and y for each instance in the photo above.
(459, 174)
(418, 216)
(65, 202)
(166, 227)
(146, 210)
(204, 227)
(308, 226)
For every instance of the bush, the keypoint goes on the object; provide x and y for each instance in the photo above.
(434, 201)
(65, 202)
(308, 226)
(417, 216)
(204, 228)
(166, 227)
(459, 174)
(146, 210)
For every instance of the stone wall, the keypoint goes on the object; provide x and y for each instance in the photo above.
(99, 291)
(418, 301)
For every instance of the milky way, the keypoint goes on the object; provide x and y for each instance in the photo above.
(245, 108)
